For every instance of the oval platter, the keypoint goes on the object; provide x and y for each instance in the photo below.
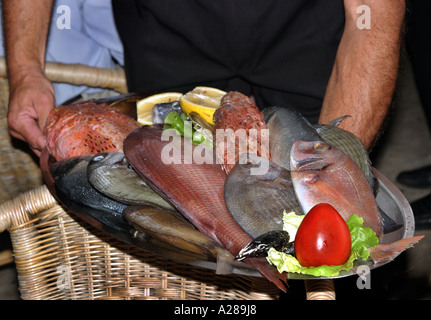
(389, 199)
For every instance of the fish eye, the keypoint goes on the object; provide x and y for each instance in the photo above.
(97, 158)
(320, 147)
(248, 163)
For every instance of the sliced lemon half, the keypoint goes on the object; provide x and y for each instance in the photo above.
(203, 100)
(144, 107)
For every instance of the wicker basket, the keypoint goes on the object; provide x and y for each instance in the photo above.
(19, 171)
(58, 256)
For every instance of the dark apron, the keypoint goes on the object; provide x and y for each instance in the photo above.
(281, 51)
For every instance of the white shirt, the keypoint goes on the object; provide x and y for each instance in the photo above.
(81, 31)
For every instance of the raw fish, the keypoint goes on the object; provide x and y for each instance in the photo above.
(321, 173)
(167, 226)
(195, 188)
(110, 174)
(239, 127)
(70, 177)
(257, 202)
(86, 128)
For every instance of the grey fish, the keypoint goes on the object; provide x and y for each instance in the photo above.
(161, 110)
(70, 177)
(166, 226)
(111, 175)
(285, 127)
(256, 202)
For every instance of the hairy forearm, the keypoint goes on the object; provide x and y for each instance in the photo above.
(363, 79)
(31, 94)
(26, 25)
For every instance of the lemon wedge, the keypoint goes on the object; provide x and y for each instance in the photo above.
(203, 100)
(145, 106)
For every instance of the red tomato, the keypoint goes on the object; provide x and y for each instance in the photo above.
(323, 238)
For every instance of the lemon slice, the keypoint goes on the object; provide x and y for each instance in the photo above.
(203, 100)
(145, 106)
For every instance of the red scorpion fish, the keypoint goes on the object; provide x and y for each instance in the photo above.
(86, 128)
(236, 116)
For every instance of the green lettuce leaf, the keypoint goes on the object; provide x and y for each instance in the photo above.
(291, 222)
(362, 237)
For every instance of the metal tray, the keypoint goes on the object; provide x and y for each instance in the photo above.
(389, 198)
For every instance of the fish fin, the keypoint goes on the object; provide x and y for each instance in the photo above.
(389, 225)
(386, 252)
(270, 272)
(225, 262)
(268, 112)
(336, 122)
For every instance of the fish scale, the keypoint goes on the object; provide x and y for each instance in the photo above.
(86, 128)
(96, 143)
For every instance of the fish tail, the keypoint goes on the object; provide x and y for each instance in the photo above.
(270, 272)
(386, 252)
(225, 261)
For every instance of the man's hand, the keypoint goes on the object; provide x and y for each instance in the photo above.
(31, 100)
(31, 94)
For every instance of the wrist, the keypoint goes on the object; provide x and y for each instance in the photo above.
(31, 75)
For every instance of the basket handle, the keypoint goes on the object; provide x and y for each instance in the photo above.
(20, 209)
(80, 74)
